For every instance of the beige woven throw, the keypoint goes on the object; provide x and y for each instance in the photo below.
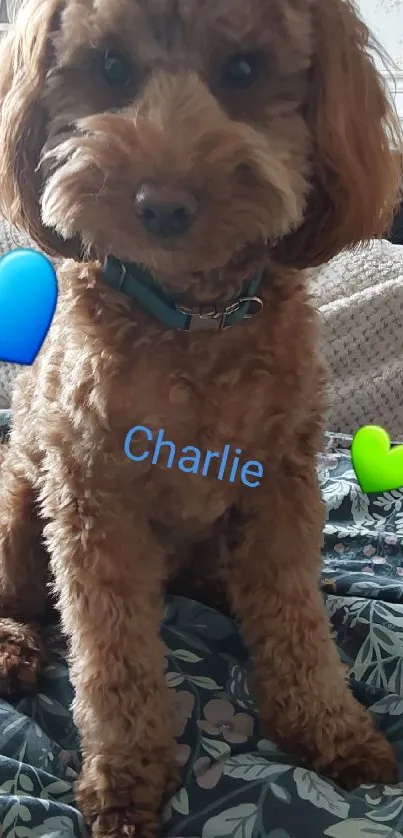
(360, 297)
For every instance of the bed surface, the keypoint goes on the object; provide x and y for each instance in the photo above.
(236, 784)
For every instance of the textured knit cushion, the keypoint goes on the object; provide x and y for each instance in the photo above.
(360, 296)
(9, 240)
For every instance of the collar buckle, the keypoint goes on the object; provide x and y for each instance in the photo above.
(213, 318)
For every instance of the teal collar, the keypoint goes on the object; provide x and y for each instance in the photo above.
(139, 284)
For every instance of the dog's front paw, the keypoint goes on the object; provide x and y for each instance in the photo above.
(125, 802)
(373, 761)
(115, 824)
(113, 813)
(121, 823)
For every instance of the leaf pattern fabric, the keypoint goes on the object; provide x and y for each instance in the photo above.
(236, 783)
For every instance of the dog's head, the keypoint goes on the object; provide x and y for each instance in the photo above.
(180, 133)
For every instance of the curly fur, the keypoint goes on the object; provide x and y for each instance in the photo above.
(287, 173)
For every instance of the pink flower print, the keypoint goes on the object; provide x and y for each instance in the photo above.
(221, 719)
(66, 756)
(390, 538)
(378, 560)
(182, 754)
(369, 550)
(399, 571)
(339, 548)
(183, 703)
(166, 814)
(368, 569)
(207, 773)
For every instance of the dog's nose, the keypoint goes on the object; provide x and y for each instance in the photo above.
(165, 211)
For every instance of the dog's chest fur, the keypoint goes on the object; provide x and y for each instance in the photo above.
(197, 400)
(245, 387)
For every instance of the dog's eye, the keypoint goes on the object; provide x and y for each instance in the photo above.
(115, 69)
(240, 71)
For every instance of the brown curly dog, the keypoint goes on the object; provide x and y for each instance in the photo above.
(183, 155)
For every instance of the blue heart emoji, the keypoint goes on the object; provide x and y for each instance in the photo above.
(28, 296)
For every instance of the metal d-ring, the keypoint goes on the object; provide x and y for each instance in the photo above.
(252, 300)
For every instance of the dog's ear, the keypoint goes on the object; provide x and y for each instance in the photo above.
(25, 57)
(356, 172)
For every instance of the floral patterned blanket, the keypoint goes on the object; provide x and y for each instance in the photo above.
(236, 784)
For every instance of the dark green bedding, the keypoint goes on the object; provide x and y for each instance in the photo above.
(235, 783)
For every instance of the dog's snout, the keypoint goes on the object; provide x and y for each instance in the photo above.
(165, 211)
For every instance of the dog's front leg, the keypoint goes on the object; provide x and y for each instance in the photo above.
(23, 573)
(109, 573)
(305, 703)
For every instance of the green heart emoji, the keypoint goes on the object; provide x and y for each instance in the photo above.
(378, 467)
